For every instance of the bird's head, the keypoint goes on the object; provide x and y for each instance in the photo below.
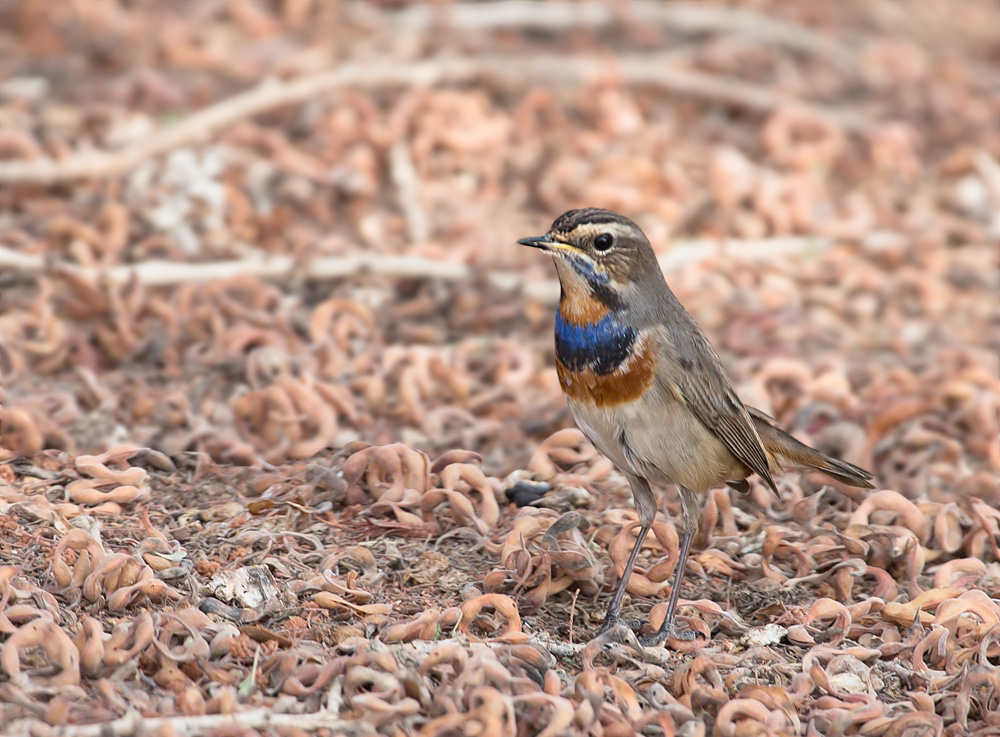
(599, 254)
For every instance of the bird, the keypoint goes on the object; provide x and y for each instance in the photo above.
(647, 389)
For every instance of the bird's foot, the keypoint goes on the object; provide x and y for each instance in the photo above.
(665, 632)
(617, 633)
(611, 622)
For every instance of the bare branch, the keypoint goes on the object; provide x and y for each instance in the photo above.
(636, 69)
(684, 17)
(167, 273)
(134, 723)
(404, 176)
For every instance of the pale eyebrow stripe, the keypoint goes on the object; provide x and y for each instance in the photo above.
(586, 229)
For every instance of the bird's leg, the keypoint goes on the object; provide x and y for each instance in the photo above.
(667, 628)
(690, 508)
(614, 617)
(645, 505)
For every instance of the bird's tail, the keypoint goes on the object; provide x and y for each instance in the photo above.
(788, 451)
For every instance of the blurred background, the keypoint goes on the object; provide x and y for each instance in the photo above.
(821, 179)
(270, 232)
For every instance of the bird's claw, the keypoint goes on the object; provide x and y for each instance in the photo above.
(618, 633)
(665, 633)
(616, 629)
(610, 623)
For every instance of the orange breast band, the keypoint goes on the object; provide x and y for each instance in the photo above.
(582, 309)
(625, 384)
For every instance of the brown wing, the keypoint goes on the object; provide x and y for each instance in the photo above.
(705, 387)
(721, 411)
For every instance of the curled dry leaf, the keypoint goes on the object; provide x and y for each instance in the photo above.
(504, 607)
(59, 650)
(368, 612)
(891, 501)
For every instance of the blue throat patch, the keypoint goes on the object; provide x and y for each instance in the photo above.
(600, 347)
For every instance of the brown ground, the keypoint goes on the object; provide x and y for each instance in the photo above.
(345, 431)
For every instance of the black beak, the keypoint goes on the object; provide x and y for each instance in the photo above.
(539, 241)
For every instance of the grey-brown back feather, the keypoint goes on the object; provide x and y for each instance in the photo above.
(690, 362)
(694, 368)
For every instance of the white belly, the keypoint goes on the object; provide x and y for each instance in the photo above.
(658, 439)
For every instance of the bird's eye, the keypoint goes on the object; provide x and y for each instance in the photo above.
(604, 241)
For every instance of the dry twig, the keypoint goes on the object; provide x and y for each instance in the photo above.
(167, 273)
(684, 17)
(637, 69)
(134, 723)
(404, 176)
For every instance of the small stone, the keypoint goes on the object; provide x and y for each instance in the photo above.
(769, 634)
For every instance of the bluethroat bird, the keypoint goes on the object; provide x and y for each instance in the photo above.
(648, 390)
